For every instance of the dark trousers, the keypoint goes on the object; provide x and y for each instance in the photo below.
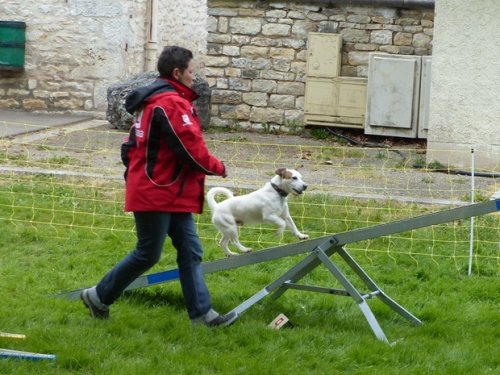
(152, 229)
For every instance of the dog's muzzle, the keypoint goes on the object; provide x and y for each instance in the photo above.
(304, 187)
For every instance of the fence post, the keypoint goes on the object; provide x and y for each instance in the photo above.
(472, 198)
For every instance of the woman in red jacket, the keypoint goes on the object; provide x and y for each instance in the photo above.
(166, 161)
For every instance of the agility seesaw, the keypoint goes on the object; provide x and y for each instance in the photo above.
(320, 250)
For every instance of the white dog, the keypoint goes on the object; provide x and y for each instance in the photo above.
(266, 205)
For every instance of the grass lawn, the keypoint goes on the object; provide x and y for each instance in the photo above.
(50, 244)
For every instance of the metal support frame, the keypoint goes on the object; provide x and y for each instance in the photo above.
(320, 250)
(321, 256)
(322, 253)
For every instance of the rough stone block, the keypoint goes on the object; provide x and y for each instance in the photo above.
(266, 115)
(119, 118)
(34, 104)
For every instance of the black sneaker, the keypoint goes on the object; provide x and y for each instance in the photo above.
(95, 311)
(213, 319)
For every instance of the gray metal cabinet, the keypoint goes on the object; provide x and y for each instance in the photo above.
(398, 95)
(425, 97)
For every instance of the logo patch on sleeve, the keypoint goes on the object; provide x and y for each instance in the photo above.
(186, 120)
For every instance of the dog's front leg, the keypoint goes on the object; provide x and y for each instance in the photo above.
(295, 231)
(290, 223)
(278, 221)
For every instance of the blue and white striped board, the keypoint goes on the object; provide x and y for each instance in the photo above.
(16, 354)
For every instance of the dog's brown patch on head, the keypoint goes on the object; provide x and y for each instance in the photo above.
(280, 171)
(283, 173)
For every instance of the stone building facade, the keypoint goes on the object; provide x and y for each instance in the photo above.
(252, 53)
(76, 49)
(257, 52)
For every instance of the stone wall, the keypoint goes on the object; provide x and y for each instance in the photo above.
(75, 49)
(252, 53)
(257, 51)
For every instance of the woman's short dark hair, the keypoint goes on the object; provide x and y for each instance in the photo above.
(173, 57)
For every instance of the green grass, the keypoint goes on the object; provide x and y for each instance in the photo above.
(59, 235)
(320, 133)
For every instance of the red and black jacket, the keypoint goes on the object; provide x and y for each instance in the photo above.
(165, 155)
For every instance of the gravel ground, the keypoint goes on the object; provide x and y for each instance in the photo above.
(92, 149)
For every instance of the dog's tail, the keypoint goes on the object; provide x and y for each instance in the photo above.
(213, 192)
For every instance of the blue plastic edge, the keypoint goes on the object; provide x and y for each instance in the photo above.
(163, 276)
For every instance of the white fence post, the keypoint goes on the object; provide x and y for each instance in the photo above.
(472, 198)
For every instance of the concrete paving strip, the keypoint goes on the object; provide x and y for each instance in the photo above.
(13, 123)
(58, 172)
(61, 130)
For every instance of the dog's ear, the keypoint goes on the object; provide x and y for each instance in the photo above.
(281, 172)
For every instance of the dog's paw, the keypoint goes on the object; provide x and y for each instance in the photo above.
(303, 236)
(246, 250)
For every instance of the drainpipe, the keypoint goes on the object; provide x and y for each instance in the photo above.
(407, 4)
(151, 47)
